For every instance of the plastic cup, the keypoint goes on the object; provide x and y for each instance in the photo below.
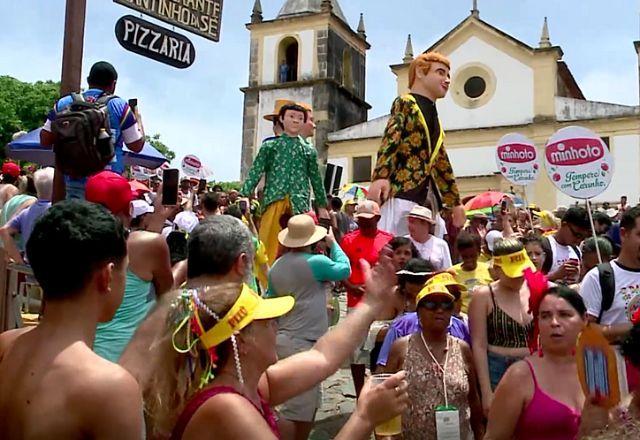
(392, 426)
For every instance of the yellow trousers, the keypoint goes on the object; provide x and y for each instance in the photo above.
(270, 227)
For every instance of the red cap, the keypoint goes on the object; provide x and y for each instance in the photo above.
(110, 190)
(11, 169)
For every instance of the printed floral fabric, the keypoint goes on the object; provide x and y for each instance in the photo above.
(426, 390)
(406, 149)
(289, 165)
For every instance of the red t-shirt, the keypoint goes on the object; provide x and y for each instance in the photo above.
(357, 247)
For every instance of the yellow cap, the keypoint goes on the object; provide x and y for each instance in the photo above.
(248, 307)
(447, 279)
(514, 265)
(434, 289)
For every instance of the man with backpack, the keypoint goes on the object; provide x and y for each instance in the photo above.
(562, 262)
(88, 131)
(611, 291)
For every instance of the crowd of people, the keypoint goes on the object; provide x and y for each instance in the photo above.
(210, 318)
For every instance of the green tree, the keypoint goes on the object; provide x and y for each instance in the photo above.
(24, 106)
(161, 146)
(228, 186)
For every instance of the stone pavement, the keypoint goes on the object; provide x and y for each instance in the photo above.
(338, 402)
(338, 397)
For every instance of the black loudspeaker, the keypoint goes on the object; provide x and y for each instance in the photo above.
(328, 178)
(336, 180)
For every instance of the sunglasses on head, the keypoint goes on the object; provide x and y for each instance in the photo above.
(433, 305)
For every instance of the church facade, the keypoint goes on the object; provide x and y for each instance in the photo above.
(500, 85)
(309, 54)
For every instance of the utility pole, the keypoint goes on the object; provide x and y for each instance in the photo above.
(74, 19)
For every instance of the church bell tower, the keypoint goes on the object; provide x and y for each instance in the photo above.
(309, 54)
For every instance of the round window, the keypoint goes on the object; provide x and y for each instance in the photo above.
(474, 87)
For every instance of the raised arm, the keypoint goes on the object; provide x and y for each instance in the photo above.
(293, 375)
(335, 268)
(478, 326)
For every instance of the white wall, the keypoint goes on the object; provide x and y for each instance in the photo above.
(626, 175)
(306, 52)
(473, 161)
(267, 99)
(512, 102)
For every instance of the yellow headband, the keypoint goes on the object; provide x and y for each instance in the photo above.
(235, 320)
(511, 259)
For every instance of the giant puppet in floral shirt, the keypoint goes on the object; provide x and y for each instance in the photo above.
(413, 167)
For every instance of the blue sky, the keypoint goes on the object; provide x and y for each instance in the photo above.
(199, 110)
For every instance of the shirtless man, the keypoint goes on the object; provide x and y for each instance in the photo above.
(52, 385)
(149, 265)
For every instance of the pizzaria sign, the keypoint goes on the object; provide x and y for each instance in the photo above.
(155, 42)
(201, 17)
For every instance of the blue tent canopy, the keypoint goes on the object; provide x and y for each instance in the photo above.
(27, 147)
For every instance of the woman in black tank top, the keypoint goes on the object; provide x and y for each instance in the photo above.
(499, 320)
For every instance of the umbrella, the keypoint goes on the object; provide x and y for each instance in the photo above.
(352, 191)
(27, 147)
(485, 200)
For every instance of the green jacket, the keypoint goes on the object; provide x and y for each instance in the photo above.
(290, 165)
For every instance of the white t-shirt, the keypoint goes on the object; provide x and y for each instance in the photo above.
(561, 254)
(626, 300)
(440, 229)
(436, 251)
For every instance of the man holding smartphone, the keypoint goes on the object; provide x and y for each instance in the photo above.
(123, 120)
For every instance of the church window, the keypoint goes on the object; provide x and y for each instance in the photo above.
(474, 87)
(288, 60)
(361, 169)
(347, 69)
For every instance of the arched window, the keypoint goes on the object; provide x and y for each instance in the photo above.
(288, 60)
(347, 69)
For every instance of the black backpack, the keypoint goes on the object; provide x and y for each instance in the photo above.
(83, 143)
(607, 287)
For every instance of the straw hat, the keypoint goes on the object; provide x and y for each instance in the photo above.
(422, 213)
(276, 109)
(301, 231)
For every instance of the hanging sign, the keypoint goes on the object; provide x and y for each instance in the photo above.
(191, 166)
(517, 159)
(201, 17)
(578, 162)
(155, 42)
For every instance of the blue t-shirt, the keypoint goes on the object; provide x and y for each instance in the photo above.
(26, 220)
(121, 118)
(408, 324)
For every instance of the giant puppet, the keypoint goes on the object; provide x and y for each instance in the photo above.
(413, 167)
(290, 166)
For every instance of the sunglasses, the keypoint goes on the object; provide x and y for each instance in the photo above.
(433, 305)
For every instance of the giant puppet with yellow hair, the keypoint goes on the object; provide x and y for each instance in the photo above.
(413, 167)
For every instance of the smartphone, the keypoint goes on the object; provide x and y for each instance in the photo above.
(202, 186)
(170, 179)
(133, 103)
(503, 206)
(243, 206)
